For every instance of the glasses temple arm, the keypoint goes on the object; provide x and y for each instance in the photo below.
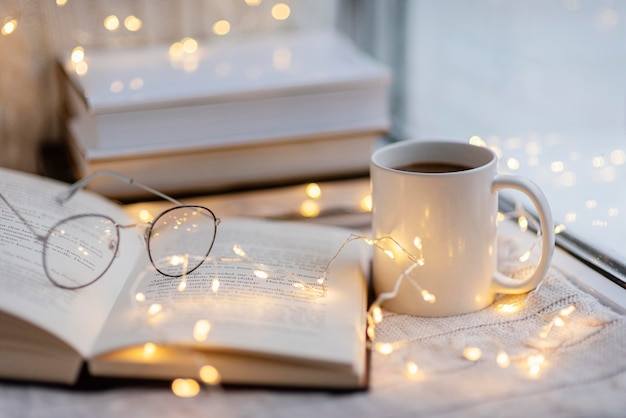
(71, 191)
(21, 218)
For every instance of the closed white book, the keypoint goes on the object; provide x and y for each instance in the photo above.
(145, 99)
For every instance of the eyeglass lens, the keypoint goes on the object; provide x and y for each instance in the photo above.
(79, 250)
(180, 239)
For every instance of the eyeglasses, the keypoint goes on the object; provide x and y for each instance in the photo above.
(78, 250)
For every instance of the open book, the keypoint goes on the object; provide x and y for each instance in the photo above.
(280, 329)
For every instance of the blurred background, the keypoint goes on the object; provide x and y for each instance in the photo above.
(542, 82)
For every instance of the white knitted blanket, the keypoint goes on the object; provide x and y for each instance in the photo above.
(566, 356)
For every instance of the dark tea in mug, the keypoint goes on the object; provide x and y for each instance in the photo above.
(433, 167)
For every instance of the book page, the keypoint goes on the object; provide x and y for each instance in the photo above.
(75, 316)
(257, 292)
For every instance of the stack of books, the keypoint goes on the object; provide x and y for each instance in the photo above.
(307, 106)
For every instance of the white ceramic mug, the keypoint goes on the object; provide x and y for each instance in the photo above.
(454, 216)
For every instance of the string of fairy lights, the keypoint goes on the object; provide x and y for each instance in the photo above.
(532, 362)
(208, 374)
(112, 22)
(375, 314)
(126, 23)
(181, 52)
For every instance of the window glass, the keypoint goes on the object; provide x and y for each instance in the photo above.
(540, 81)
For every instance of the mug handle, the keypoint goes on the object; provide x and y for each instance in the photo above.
(502, 283)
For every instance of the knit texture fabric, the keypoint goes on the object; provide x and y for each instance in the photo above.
(561, 350)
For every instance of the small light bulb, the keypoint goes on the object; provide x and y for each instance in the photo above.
(176, 260)
(412, 368)
(509, 307)
(238, 250)
(261, 274)
(597, 162)
(81, 68)
(185, 388)
(132, 23)
(201, 330)
(558, 322)
(427, 296)
(478, 141)
(534, 370)
(371, 332)
(568, 310)
(534, 365)
(557, 166)
(384, 348)
(9, 27)
(281, 11)
(513, 164)
(215, 285)
(366, 203)
(111, 23)
(503, 359)
(377, 314)
(155, 308)
(472, 353)
(149, 349)
(525, 257)
(78, 54)
(176, 50)
(145, 215)
(313, 191)
(310, 209)
(522, 222)
(210, 375)
(190, 45)
(140, 297)
(221, 27)
(390, 254)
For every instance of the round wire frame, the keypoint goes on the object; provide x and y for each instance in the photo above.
(152, 234)
(49, 249)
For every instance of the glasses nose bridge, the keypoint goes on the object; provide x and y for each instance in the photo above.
(147, 226)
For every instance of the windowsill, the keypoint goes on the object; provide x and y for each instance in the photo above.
(591, 281)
